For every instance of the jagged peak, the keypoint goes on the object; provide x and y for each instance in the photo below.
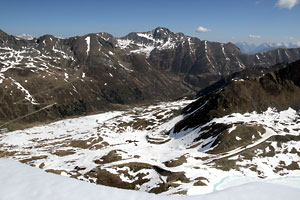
(47, 36)
(161, 29)
(162, 33)
(159, 33)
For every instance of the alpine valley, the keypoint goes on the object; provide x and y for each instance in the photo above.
(120, 112)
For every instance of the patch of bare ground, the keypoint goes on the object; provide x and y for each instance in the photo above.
(135, 166)
(163, 187)
(176, 162)
(137, 123)
(171, 181)
(199, 181)
(64, 152)
(242, 135)
(86, 144)
(33, 158)
(4, 154)
(112, 156)
(107, 178)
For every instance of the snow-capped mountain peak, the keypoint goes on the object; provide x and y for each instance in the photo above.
(267, 46)
(26, 36)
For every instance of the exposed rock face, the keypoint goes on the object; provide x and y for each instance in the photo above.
(95, 72)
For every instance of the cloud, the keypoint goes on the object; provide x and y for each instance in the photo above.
(202, 29)
(254, 36)
(289, 4)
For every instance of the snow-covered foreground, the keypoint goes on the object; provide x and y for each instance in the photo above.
(19, 181)
(130, 149)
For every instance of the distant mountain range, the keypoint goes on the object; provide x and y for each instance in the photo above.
(26, 36)
(253, 48)
(98, 71)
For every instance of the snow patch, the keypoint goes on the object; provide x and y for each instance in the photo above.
(28, 96)
(88, 43)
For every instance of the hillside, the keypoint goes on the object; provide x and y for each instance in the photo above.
(240, 94)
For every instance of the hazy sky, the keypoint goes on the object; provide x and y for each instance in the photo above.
(216, 20)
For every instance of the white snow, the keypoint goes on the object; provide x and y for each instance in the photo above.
(238, 138)
(205, 48)
(28, 96)
(26, 36)
(206, 54)
(147, 36)
(123, 44)
(144, 50)
(19, 181)
(286, 53)
(232, 129)
(64, 55)
(66, 76)
(169, 44)
(31, 58)
(88, 43)
(224, 53)
(146, 47)
(129, 70)
(191, 45)
(242, 66)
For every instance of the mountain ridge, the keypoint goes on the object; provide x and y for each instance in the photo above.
(141, 67)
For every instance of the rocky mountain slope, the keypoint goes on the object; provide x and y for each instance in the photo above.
(47, 78)
(242, 120)
(279, 90)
